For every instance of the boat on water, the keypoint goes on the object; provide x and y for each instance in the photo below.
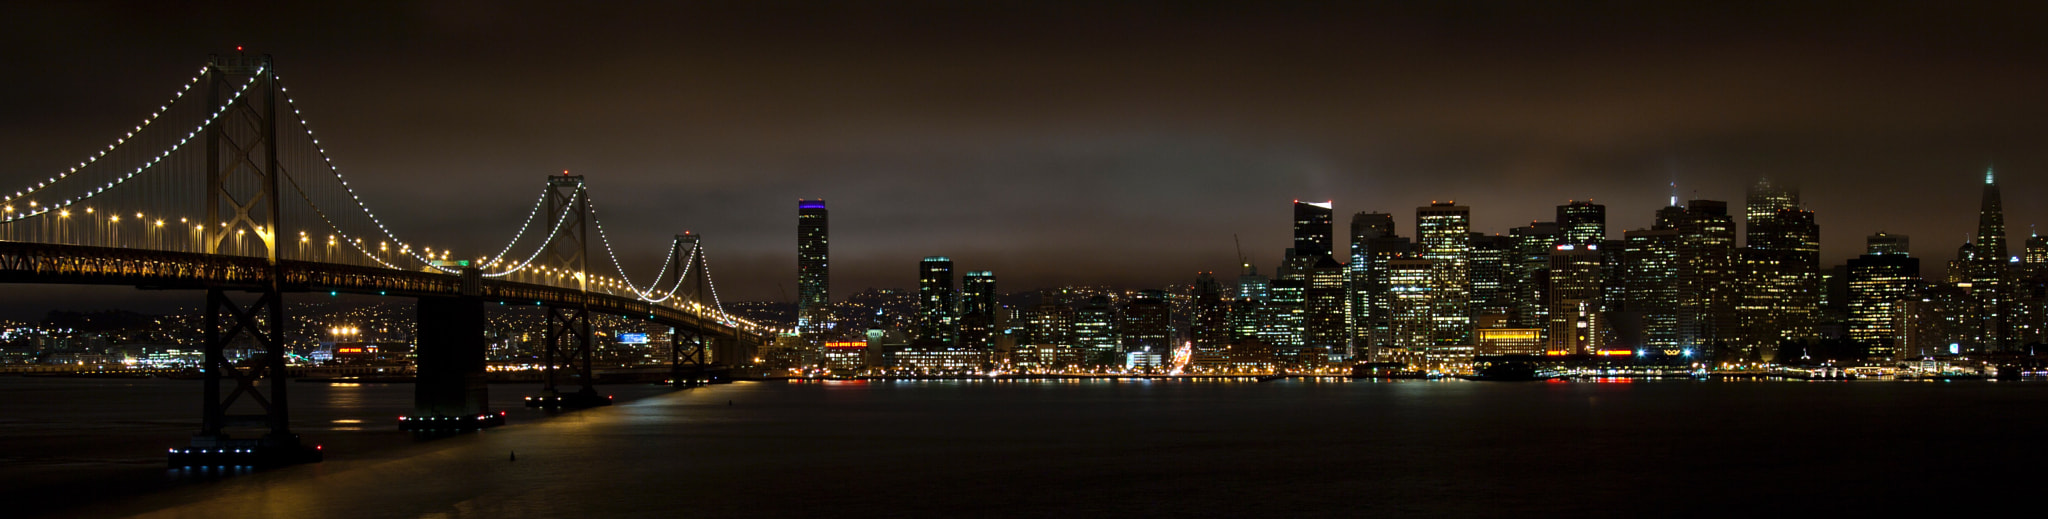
(1506, 368)
(1388, 370)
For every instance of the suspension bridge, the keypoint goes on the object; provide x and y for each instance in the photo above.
(226, 189)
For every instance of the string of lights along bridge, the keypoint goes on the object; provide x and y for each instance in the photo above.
(147, 191)
(226, 188)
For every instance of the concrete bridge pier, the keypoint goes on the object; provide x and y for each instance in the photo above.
(450, 393)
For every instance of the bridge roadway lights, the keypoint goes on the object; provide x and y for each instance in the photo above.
(259, 453)
(578, 400)
(450, 423)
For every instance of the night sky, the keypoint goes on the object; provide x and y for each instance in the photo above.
(1068, 143)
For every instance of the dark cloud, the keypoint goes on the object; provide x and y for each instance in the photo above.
(1081, 143)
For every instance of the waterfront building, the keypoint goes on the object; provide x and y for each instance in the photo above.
(1509, 341)
(846, 357)
(1444, 231)
(1880, 283)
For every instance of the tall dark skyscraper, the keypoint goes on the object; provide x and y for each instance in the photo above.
(1313, 228)
(1323, 319)
(979, 312)
(1529, 281)
(1209, 326)
(1988, 271)
(935, 301)
(1494, 262)
(1146, 324)
(1373, 243)
(813, 274)
(1581, 222)
(1706, 278)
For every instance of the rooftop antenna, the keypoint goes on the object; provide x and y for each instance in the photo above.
(1674, 193)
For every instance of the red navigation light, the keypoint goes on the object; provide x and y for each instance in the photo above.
(319, 447)
(238, 48)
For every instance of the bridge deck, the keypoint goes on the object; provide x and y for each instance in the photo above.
(39, 263)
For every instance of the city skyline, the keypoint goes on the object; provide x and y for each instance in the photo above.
(1100, 183)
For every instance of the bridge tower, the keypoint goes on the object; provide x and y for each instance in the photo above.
(242, 211)
(568, 335)
(687, 346)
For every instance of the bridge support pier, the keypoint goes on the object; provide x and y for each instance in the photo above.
(450, 393)
(568, 346)
(687, 358)
(261, 325)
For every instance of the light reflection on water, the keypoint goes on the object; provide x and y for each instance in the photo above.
(1174, 448)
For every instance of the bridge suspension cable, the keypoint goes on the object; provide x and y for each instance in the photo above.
(38, 209)
(146, 121)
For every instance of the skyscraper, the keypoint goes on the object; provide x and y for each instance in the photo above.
(1373, 243)
(936, 302)
(1313, 228)
(1988, 271)
(1706, 278)
(1880, 282)
(1884, 243)
(1533, 243)
(1494, 266)
(1323, 308)
(1248, 314)
(1444, 232)
(1095, 326)
(1575, 304)
(1209, 326)
(1147, 324)
(1779, 269)
(2030, 294)
(1648, 314)
(979, 312)
(1410, 285)
(1581, 223)
(813, 275)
